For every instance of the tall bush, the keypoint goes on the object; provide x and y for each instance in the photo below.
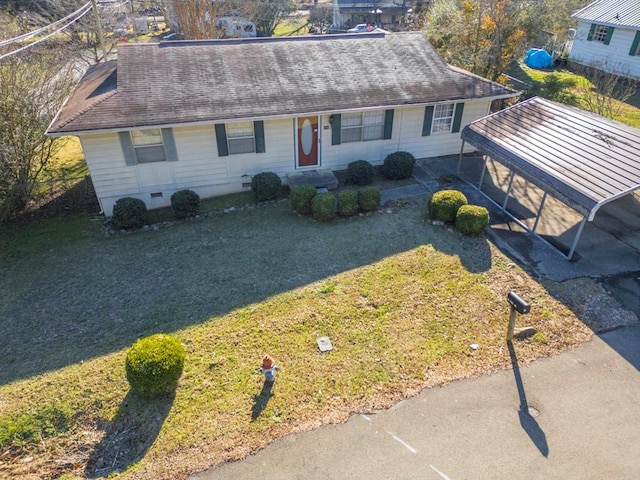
(360, 172)
(347, 202)
(154, 365)
(185, 203)
(398, 165)
(472, 219)
(444, 205)
(368, 198)
(323, 206)
(301, 197)
(129, 212)
(266, 186)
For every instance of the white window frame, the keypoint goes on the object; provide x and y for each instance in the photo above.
(362, 126)
(241, 138)
(147, 147)
(600, 33)
(443, 118)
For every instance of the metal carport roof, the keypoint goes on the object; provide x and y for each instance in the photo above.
(581, 158)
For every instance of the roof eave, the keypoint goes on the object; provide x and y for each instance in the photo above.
(270, 117)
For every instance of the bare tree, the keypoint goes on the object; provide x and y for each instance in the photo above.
(33, 87)
(607, 92)
(198, 19)
(268, 14)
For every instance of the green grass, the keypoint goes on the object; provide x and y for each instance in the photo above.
(627, 112)
(295, 25)
(400, 299)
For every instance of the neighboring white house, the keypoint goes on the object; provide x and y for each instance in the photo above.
(608, 37)
(208, 115)
(383, 13)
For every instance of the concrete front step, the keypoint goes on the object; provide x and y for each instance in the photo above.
(320, 178)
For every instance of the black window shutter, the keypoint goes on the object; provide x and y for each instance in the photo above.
(592, 30)
(428, 119)
(607, 38)
(221, 140)
(127, 148)
(336, 129)
(634, 46)
(170, 150)
(457, 117)
(258, 131)
(388, 124)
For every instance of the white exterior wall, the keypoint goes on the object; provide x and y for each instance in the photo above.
(613, 58)
(199, 167)
(406, 136)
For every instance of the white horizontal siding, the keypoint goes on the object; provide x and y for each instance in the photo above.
(200, 168)
(612, 58)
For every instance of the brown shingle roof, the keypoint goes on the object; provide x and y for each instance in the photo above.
(207, 81)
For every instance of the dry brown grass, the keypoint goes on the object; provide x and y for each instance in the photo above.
(401, 299)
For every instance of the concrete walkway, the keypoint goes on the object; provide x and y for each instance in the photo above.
(574, 416)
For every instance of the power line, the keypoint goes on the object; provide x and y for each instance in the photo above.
(45, 37)
(42, 29)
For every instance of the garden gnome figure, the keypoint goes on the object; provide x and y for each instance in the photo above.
(269, 368)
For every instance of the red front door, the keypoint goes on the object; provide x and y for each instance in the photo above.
(307, 141)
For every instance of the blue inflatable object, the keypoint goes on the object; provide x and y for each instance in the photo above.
(538, 58)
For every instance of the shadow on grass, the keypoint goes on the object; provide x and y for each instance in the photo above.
(128, 437)
(78, 294)
(260, 400)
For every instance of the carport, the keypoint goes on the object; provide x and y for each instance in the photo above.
(580, 158)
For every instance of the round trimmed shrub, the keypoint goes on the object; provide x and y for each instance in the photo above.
(398, 165)
(323, 207)
(360, 172)
(266, 186)
(444, 205)
(347, 202)
(472, 219)
(129, 212)
(185, 203)
(368, 198)
(154, 365)
(301, 198)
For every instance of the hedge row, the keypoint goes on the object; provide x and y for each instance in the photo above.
(325, 206)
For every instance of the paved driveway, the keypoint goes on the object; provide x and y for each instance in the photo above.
(574, 416)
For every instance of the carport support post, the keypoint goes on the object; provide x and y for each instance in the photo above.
(484, 169)
(575, 240)
(535, 224)
(460, 159)
(506, 197)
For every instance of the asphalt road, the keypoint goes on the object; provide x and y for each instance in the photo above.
(573, 416)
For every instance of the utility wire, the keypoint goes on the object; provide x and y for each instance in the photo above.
(45, 37)
(42, 29)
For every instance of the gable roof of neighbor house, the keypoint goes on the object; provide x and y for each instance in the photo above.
(190, 82)
(614, 13)
(579, 157)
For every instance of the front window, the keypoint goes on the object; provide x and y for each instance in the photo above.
(600, 33)
(442, 118)
(240, 137)
(148, 145)
(362, 126)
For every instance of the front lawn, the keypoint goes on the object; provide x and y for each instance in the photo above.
(401, 300)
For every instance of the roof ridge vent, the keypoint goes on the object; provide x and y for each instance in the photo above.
(241, 41)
